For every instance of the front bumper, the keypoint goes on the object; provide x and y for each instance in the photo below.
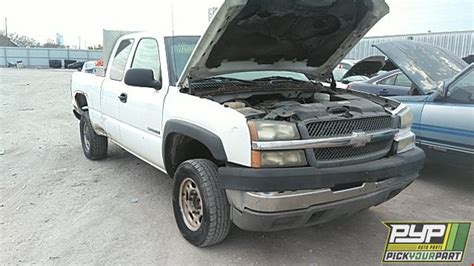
(252, 220)
(312, 196)
(302, 178)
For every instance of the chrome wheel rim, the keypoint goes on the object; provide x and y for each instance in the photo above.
(190, 203)
(87, 142)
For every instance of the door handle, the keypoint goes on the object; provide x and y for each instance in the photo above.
(123, 97)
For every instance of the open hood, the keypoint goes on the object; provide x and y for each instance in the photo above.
(366, 67)
(305, 36)
(424, 64)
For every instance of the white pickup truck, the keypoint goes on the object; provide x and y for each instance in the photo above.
(240, 120)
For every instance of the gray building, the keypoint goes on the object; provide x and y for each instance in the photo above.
(39, 57)
(460, 43)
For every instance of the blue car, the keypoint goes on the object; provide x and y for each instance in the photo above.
(444, 114)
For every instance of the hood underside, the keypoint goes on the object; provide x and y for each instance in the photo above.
(306, 36)
(366, 67)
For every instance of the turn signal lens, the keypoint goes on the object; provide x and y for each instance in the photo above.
(405, 141)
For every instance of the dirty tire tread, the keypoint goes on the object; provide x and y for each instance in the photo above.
(216, 201)
(98, 144)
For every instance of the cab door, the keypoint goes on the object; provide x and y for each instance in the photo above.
(112, 87)
(141, 112)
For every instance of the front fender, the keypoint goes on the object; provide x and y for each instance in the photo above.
(206, 137)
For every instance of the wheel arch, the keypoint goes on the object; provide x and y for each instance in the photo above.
(81, 104)
(182, 135)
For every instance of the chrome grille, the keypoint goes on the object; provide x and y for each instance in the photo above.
(379, 148)
(335, 128)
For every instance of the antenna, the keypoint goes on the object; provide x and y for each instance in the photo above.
(172, 18)
(6, 27)
(173, 40)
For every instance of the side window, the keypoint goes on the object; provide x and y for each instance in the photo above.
(147, 56)
(402, 81)
(120, 60)
(462, 90)
(388, 81)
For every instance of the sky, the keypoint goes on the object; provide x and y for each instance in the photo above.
(81, 22)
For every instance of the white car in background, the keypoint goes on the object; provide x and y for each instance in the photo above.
(89, 67)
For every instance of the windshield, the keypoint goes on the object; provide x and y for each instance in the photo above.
(89, 65)
(253, 75)
(339, 73)
(178, 51)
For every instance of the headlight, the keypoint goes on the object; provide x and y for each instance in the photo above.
(278, 158)
(273, 130)
(405, 141)
(406, 117)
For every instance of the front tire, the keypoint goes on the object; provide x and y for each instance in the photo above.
(200, 205)
(94, 146)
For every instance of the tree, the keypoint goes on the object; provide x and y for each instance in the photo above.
(21, 40)
(95, 47)
(50, 44)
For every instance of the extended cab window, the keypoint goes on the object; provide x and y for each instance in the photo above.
(148, 56)
(120, 60)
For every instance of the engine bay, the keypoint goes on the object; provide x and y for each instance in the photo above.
(297, 106)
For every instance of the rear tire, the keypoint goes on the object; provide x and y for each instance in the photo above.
(200, 205)
(94, 146)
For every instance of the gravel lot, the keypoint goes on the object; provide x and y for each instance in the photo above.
(57, 207)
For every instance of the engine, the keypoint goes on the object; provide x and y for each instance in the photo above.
(315, 106)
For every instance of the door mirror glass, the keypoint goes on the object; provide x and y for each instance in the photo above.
(142, 77)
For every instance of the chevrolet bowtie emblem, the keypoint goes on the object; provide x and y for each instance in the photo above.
(360, 139)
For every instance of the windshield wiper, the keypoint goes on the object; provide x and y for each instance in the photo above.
(224, 79)
(280, 78)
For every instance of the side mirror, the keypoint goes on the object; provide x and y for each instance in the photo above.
(442, 90)
(141, 77)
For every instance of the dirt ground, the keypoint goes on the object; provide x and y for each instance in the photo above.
(57, 207)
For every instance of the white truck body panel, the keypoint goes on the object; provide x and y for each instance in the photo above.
(89, 85)
(228, 124)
